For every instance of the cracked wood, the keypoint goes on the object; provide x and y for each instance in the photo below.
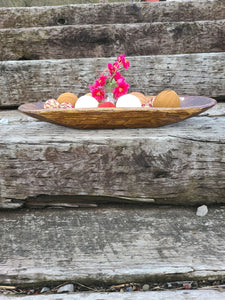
(187, 74)
(111, 13)
(80, 41)
(111, 244)
(178, 164)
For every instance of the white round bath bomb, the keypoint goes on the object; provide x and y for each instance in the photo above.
(86, 102)
(128, 100)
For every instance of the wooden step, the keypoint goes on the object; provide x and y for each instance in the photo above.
(111, 245)
(204, 294)
(31, 3)
(188, 74)
(114, 184)
(80, 41)
(112, 13)
(179, 164)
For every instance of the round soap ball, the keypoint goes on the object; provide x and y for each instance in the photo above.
(86, 102)
(67, 98)
(51, 103)
(140, 96)
(167, 98)
(66, 105)
(149, 101)
(106, 104)
(128, 100)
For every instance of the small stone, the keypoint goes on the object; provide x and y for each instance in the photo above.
(129, 289)
(202, 211)
(145, 287)
(66, 288)
(187, 286)
(30, 292)
(45, 290)
(4, 121)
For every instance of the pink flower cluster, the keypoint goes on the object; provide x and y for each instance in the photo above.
(112, 82)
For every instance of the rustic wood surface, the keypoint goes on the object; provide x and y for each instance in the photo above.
(75, 41)
(110, 13)
(44, 165)
(153, 295)
(30, 3)
(111, 244)
(181, 163)
(187, 74)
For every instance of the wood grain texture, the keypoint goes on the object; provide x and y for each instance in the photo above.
(46, 3)
(112, 13)
(153, 295)
(187, 74)
(112, 245)
(76, 41)
(176, 164)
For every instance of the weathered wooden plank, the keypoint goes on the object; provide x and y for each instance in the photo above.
(187, 74)
(76, 41)
(111, 13)
(215, 294)
(30, 3)
(177, 164)
(111, 245)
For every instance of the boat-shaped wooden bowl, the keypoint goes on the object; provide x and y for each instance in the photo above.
(102, 118)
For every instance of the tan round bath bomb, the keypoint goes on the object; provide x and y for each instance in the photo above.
(140, 96)
(167, 98)
(67, 98)
(88, 94)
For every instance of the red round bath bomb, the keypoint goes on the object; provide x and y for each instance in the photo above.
(106, 104)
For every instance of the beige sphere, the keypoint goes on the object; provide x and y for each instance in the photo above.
(167, 98)
(67, 98)
(140, 96)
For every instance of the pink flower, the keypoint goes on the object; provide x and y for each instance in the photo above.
(122, 60)
(92, 87)
(111, 69)
(98, 94)
(116, 65)
(113, 81)
(121, 89)
(101, 81)
(118, 76)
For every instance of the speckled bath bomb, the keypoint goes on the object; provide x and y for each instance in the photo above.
(66, 105)
(51, 103)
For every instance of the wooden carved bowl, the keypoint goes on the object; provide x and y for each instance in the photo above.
(102, 118)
